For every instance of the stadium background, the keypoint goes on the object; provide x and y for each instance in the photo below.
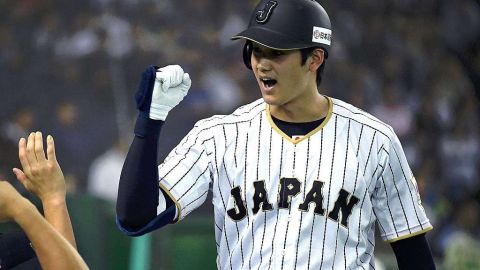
(70, 69)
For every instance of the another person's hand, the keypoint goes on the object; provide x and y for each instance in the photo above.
(10, 201)
(41, 174)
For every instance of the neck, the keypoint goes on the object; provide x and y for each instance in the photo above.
(308, 109)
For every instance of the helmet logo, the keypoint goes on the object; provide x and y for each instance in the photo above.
(322, 35)
(264, 14)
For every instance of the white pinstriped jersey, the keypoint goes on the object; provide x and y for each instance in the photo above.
(306, 204)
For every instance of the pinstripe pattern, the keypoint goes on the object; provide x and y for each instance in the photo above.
(289, 210)
(329, 189)
(352, 174)
(318, 177)
(304, 192)
(276, 216)
(343, 182)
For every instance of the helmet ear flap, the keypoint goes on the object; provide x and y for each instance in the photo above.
(247, 54)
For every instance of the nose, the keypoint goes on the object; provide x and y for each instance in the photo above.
(263, 65)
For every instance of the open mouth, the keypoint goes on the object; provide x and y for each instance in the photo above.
(269, 83)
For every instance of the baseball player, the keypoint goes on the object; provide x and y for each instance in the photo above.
(299, 180)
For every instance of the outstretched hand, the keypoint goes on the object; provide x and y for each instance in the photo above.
(41, 174)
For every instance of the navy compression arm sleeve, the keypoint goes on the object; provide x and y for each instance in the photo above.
(414, 247)
(138, 188)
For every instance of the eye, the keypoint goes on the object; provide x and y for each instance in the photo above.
(278, 53)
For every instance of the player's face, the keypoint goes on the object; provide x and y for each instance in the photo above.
(280, 75)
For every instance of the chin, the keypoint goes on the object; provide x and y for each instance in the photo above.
(270, 100)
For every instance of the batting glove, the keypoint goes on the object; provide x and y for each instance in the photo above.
(171, 86)
(160, 90)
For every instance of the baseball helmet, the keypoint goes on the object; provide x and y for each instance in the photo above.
(287, 25)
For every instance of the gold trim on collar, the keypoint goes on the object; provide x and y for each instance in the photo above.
(279, 131)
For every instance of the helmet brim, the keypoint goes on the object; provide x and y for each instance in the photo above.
(270, 39)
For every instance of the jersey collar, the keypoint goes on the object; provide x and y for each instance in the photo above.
(308, 135)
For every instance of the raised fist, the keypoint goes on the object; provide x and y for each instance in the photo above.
(161, 89)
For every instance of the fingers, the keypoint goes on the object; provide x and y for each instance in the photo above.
(177, 75)
(20, 176)
(22, 154)
(38, 147)
(164, 81)
(38, 175)
(170, 76)
(32, 159)
(51, 148)
(31, 151)
(157, 90)
(186, 82)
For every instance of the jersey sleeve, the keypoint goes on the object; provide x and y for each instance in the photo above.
(396, 200)
(185, 175)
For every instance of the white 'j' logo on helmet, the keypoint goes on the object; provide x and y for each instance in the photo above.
(264, 14)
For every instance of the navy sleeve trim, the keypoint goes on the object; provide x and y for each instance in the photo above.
(160, 221)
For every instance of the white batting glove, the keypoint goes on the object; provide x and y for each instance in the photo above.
(171, 86)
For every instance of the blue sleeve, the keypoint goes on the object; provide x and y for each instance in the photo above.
(414, 247)
(138, 189)
(159, 221)
(15, 249)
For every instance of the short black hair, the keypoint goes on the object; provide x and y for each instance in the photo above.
(307, 52)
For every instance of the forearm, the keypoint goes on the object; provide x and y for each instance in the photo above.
(159, 91)
(138, 188)
(56, 213)
(414, 247)
(53, 251)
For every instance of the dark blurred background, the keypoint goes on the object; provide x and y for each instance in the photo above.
(70, 69)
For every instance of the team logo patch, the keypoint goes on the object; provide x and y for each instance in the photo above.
(264, 14)
(297, 137)
(322, 35)
(414, 182)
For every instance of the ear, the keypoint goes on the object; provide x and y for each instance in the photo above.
(318, 56)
